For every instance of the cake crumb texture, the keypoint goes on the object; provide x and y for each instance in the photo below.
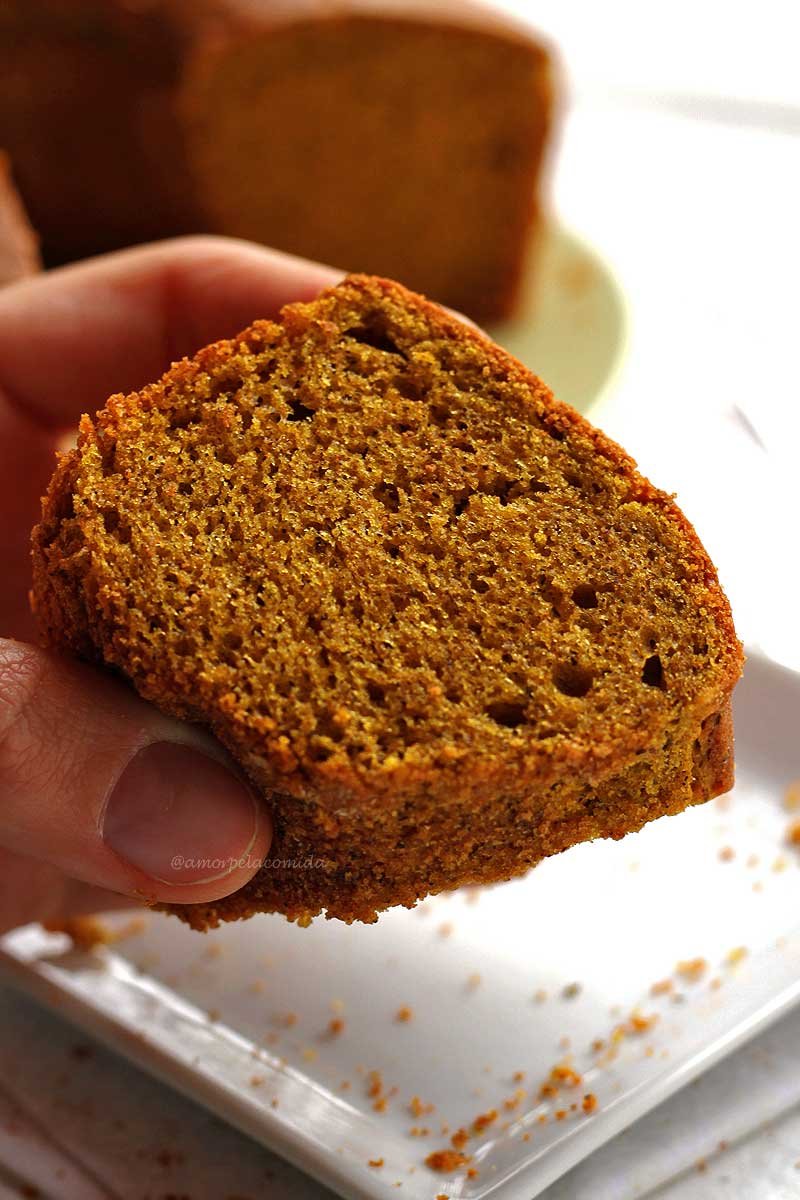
(441, 621)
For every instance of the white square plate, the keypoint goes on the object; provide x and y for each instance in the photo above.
(516, 978)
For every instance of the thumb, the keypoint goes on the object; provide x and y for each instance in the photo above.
(98, 783)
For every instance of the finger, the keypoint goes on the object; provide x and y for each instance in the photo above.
(26, 464)
(82, 900)
(37, 891)
(72, 337)
(104, 787)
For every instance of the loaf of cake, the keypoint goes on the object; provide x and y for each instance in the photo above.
(401, 137)
(441, 621)
(19, 247)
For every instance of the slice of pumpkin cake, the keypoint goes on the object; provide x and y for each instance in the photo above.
(441, 621)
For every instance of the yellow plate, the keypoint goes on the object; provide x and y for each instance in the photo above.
(571, 328)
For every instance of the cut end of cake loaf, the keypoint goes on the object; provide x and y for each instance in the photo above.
(424, 131)
(441, 621)
(404, 137)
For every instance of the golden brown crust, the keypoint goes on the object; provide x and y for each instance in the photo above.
(576, 677)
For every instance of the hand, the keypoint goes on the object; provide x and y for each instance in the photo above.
(100, 795)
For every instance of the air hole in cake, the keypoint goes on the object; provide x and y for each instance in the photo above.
(118, 528)
(375, 334)
(299, 411)
(393, 550)
(584, 596)
(376, 693)
(63, 510)
(108, 460)
(183, 418)
(185, 488)
(653, 672)
(556, 434)
(327, 727)
(439, 415)
(228, 385)
(509, 713)
(503, 489)
(388, 494)
(408, 387)
(572, 680)
(110, 519)
(461, 503)
(479, 585)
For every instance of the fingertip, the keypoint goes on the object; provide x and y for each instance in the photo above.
(116, 322)
(186, 822)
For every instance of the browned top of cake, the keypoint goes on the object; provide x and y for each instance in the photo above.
(257, 14)
(374, 553)
(205, 18)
